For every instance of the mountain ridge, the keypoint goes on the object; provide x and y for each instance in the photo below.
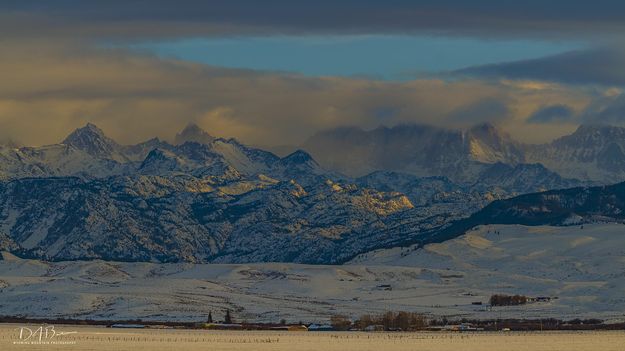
(593, 153)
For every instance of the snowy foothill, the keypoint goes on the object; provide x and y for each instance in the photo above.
(580, 269)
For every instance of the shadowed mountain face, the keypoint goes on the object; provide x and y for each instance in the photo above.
(573, 206)
(559, 207)
(592, 153)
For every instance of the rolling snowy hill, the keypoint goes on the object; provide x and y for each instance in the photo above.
(581, 270)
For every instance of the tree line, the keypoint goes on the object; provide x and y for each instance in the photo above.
(406, 321)
(508, 300)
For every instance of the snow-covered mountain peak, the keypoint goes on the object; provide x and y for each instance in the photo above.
(89, 129)
(92, 140)
(592, 152)
(193, 132)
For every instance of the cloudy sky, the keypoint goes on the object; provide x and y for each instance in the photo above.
(274, 72)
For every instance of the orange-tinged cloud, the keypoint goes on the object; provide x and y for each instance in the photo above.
(48, 89)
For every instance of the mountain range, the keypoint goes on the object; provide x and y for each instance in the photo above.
(593, 153)
(209, 199)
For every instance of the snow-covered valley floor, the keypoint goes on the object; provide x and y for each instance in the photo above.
(583, 270)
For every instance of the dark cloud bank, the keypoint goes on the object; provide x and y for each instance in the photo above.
(158, 18)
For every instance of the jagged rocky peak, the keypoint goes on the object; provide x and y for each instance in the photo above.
(487, 143)
(591, 140)
(159, 154)
(491, 134)
(158, 161)
(589, 134)
(92, 140)
(89, 129)
(301, 166)
(600, 128)
(193, 132)
(297, 158)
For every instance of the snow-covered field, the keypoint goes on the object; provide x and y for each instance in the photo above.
(583, 268)
(100, 339)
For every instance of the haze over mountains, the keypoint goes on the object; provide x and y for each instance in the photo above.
(591, 153)
(207, 199)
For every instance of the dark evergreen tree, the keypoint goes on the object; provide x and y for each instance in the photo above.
(228, 318)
